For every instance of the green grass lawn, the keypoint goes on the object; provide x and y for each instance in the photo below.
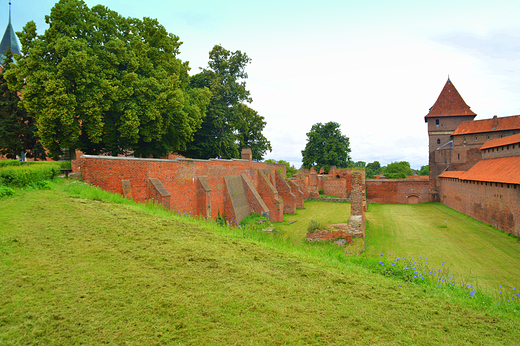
(473, 251)
(87, 271)
(325, 213)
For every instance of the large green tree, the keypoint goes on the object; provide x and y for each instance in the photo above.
(230, 125)
(425, 170)
(372, 169)
(102, 83)
(397, 170)
(326, 146)
(17, 128)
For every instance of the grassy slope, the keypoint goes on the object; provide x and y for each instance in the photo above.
(472, 249)
(83, 271)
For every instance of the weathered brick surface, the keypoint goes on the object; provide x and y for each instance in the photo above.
(203, 198)
(493, 203)
(335, 187)
(337, 183)
(502, 151)
(398, 191)
(255, 201)
(356, 196)
(284, 191)
(298, 193)
(270, 196)
(180, 177)
(327, 235)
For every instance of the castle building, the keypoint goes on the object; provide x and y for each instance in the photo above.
(444, 117)
(455, 138)
(474, 164)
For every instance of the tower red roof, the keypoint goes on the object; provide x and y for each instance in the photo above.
(449, 104)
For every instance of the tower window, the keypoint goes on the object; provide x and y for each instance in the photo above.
(438, 141)
(458, 156)
(436, 121)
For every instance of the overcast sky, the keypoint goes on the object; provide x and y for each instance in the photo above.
(375, 67)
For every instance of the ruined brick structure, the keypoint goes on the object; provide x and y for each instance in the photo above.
(197, 187)
(338, 182)
(474, 164)
(357, 223)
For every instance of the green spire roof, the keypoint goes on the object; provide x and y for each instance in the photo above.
(9, 40)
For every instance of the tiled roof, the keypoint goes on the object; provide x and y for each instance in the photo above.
(501, 141)
(500, 170)
(452, 174)
(449, 103)
(488, 125)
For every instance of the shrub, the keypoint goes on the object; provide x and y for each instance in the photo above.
(6, 191)
(40, 185)
(24, 174)
(221, 220)
(314, 225)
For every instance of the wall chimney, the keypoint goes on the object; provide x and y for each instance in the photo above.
(495, 122)
(247, 154)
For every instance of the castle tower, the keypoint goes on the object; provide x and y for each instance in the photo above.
(447, 113)
(9, 40)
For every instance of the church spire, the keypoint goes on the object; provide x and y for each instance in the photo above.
(9, 40)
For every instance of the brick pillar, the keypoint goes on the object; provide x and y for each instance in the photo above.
(356, 197)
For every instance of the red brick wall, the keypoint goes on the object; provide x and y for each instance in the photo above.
(397, 190)
(335, 187)
(493, 203)
(502, 151)
(327, 235)
(301, 182)
(284, 191)
(297, 191)
(270, 196)
(178, 176)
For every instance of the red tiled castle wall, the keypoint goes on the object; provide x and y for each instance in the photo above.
(397, 191)
(493, 203)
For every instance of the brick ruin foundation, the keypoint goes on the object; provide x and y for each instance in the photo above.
(356, 226)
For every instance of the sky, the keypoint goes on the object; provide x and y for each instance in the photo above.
(374, 67)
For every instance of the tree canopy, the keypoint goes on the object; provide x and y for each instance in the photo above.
(372, 169)
(397, 170)
(425, 170)
(230, 125)
(326, 146)
(102, 83)
(17, 128)
(290, 170)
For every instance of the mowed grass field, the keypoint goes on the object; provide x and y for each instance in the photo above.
(79, 270)
(473, 252)
(325, 213)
